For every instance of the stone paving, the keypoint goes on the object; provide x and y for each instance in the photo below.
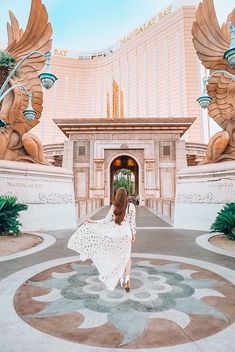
(182, 297)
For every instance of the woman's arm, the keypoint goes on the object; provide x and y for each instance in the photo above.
(133, 221)
(90, 221)
(108, 218)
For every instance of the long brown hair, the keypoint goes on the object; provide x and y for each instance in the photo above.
(120, 205)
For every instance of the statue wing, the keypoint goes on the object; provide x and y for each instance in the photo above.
(222, 90)
(37, 37)
(13, 30)
(211, 41)
(225, 26)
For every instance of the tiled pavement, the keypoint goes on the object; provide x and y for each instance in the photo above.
(182, 298)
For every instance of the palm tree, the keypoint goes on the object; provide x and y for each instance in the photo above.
(124, 180)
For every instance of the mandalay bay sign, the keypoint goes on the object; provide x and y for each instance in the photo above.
(147, 24)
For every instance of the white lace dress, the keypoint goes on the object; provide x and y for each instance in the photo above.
(107, 244)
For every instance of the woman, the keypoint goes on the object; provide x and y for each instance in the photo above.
(107, 242)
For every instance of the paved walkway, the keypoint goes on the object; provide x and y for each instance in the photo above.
(182, 297)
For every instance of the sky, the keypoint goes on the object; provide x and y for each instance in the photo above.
(86, 25)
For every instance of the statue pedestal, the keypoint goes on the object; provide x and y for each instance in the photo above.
(47, 190)
(201, 191)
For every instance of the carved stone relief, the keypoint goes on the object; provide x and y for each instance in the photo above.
(31, 192)
(216, 192)
(149, 165)
(99, 164)
(82, 151)
(167, 151)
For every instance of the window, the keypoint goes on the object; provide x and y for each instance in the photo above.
(166, 150)
(81, 150)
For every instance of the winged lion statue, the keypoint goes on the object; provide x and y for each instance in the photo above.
(211, 41)
(16, 143)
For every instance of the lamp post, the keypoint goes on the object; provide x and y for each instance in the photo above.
(229, 55)
(47, 78)
(204, 100)
(29, 113)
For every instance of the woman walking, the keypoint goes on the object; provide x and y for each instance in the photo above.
(107, 242)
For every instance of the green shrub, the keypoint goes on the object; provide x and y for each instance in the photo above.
(123, 182)
(7, 61)
(225, 221)
(9, 213)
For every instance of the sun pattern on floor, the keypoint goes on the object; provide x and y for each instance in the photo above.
(170, 303)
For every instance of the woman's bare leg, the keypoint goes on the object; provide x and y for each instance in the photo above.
(128, 269)
(127, 278)
(126, 275)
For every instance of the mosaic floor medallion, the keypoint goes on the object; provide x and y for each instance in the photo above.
(170, 303)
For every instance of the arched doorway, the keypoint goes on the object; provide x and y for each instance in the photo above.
(124, 172)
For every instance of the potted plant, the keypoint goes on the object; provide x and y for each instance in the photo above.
(9, 213)
(225, 221)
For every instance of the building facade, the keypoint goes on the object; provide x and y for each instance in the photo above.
(150, 148)
(130, 106)
(151, 72)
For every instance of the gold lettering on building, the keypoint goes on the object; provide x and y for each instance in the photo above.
(147, 24)
(60, 52)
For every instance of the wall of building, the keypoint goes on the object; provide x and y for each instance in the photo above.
(158, 159)
(153, 74)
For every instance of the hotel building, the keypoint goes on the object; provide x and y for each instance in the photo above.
(151, 72)
(132, 105)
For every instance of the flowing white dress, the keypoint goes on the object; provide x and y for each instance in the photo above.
(107, 244)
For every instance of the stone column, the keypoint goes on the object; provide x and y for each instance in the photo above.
(181, 160)
(97, 190)
(99, 174)
(150, 187)
(68, 155)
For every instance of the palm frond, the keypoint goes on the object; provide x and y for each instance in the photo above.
(9, 213)
(225, 221)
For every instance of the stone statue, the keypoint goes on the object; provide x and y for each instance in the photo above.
(15, 141)
(211, 42)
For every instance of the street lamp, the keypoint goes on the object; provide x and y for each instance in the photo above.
(47, 78)
(29, 113)
(229, 55)
(204, 100)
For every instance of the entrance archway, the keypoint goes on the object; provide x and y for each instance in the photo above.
(125, 163)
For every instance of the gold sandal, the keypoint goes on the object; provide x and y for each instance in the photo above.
(127, 286)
